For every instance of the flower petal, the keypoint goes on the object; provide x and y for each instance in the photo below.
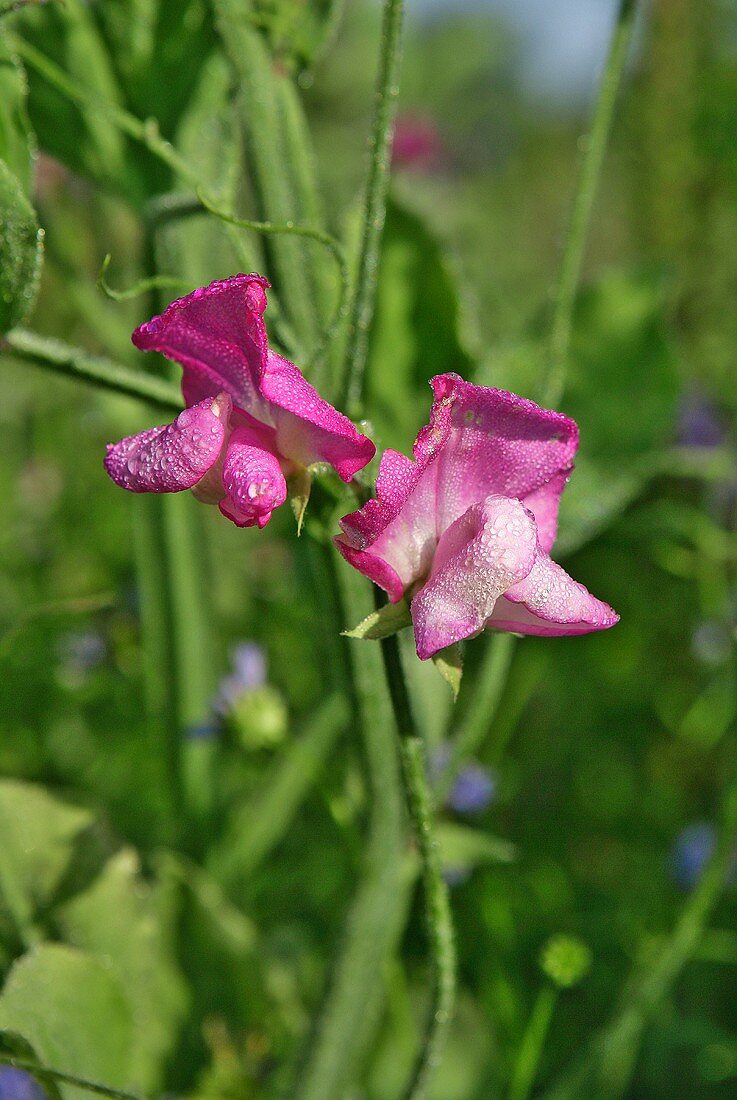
(308, 429)
(217, 333)
(253, 482)
(549, 602)
(478, 442)
(174, 456)
(489, 549)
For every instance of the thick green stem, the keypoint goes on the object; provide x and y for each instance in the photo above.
(105, 373)
(379, 906)
(362, 308)
(593, 157)
(437, 904)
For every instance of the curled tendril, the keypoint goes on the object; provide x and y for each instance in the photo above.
(154, 282)
(297, 230)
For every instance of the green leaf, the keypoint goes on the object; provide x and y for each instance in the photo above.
(417, 325)
(17, 143)
(463, 848)
(82, 138)
(21, 250)
(38, 834)
(449, 664)
(129, 924)
(299, 32)
(389, 619)
(72, 1011)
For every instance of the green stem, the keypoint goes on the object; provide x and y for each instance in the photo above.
(143, 286)
(75, 363)
(532, 1044)
(379, 906)
(437, 905)
(593, 157)
(377, 184)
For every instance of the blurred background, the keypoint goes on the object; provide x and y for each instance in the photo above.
(596, 791)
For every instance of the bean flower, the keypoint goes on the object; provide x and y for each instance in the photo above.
(251, 420)
(465, 528)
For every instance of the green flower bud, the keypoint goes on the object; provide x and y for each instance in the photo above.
(565, 960)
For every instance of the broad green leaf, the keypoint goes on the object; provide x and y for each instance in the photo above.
(449, 664)
(72, 1011)
(38, 833)
(463, 848)
(126, 922)
(416, 331)
(21, 250)
(82, 138)
(17, 145)
(388, 620)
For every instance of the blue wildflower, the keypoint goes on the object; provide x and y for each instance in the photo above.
(16, 1084)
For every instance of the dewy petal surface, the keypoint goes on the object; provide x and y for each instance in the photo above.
(217, 334)
(174, 456)
(308, 428)
(549, 602)
(479, 442)
(480, 556)
(253, 481)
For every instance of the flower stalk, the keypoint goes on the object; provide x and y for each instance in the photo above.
(377, 184)
(594, 149)
(437, 904)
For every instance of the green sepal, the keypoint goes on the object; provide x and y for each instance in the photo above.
(388, 620)
(300, 487)
(449, 664)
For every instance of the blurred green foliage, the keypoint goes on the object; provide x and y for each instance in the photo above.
(172, 889)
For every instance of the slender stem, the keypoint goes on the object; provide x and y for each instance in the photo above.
(143, 286)
(533, 1041)
(62, 359)
(362, 310)
(593, 157)
(437, 905)
(607, 1066)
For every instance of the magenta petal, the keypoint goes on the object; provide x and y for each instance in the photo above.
(549, 602)
(496, 442)
(217, 333)
(308, 429)
(479, 442)
(172, 457)
(480, 556)
(253, 482)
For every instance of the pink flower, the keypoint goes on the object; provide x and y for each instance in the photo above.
(465, 529)
(417, 143)
(251, 418)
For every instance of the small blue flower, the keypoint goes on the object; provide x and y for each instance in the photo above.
(691, 852)
(699, 422)
(249, 672)
(81, 651)
(16, 1084)
(474, 787)
(473, 790)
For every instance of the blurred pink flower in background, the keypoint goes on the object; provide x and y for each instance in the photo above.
(251, 418)
(465, 530)
(417, 145)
